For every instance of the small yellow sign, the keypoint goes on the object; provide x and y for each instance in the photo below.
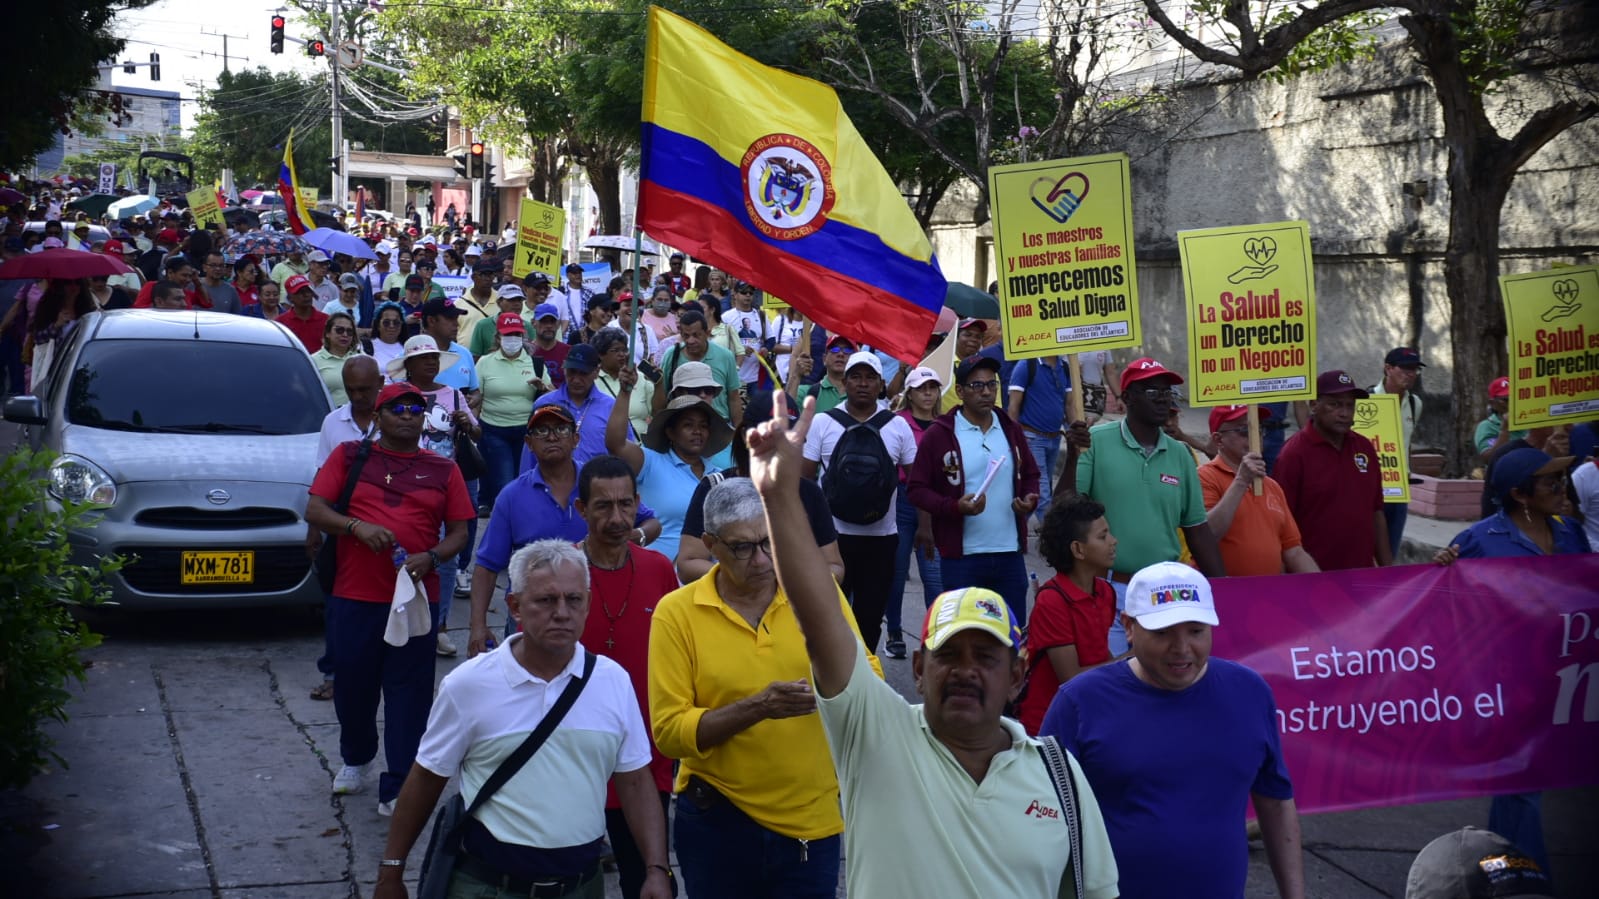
(204, 207)
(308, 198)
(1063, 237)
(1251, 314)
(539, 228)
(1377, 420)
(1552, 321)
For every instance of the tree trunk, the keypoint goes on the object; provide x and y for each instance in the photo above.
(1476, 315)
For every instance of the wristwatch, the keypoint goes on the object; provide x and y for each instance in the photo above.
(435, 557)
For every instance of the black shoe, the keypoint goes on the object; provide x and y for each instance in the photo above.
(896, 645)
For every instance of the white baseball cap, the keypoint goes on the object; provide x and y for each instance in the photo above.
(1168, 593)
(921, 375)
(864, 357)
(316, 256)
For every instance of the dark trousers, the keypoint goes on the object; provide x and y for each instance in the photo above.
(502, 450)
(724, 854)
(868, 577)
(325, 663)
(629, 860)
(1395, 514)
(927, 569)
(1003, 573)
(367, 670)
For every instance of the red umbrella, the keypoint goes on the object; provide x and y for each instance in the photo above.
(61, 263)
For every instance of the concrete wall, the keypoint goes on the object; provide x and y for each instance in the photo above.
(1358, 153)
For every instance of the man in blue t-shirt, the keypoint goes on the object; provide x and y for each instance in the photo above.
(1037, 401)
(1175, 744)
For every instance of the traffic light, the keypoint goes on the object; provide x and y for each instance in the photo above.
(335, 163)
(487, 172)
(277, 34)
(461, 165)
(128, 66)
(155, 67)
(315, 48)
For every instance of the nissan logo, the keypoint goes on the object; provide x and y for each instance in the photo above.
(218, 497)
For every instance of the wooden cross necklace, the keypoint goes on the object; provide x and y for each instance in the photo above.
(611, 620)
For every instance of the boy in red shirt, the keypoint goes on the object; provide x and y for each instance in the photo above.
(1067, 631)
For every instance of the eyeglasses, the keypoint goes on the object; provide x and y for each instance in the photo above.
(545, 432)
(406, 408)
(1157, 393)
(1551, 482)
(389, 323)
(701, 391)
(344, 330)
(982, 386)
(1233, 431)
(744, 551)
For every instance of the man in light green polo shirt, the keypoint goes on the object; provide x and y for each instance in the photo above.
(1147, 481)
(947, 798)
(696, 346)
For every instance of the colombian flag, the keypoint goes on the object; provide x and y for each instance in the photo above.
(289, 190)
(760, 172)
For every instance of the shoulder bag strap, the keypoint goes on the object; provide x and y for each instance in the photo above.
(355, 475)
(552, 719)
(1060, 773)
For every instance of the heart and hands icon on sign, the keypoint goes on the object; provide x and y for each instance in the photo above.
(1566, 291)
(1260, 251)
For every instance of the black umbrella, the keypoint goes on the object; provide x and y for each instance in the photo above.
(240, 218)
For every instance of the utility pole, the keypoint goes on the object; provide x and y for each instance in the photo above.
(339, 175)
(225, 55)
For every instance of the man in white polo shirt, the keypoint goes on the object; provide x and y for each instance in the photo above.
(950, 785)
(543, 833)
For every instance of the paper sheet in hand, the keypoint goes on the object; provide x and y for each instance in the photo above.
(995, 463)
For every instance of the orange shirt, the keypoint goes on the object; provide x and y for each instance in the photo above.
(1262, 528)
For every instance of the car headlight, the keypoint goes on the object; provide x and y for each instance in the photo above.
(74, 479)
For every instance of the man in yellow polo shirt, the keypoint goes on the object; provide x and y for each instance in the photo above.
(947, 798)
(757, 801)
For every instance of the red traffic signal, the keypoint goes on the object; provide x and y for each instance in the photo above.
(477, 148)
(315, 48)
(278, 23)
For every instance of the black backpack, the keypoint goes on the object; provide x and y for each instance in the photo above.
(861, 479)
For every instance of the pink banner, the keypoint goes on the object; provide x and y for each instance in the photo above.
(1421, 683)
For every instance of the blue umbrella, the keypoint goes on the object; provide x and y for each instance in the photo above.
(128, 207)
(331, 241)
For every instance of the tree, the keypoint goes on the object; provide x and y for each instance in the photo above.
(1469, 50)
(58, 50)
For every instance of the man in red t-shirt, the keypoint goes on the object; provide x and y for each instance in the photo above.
(302, 318)
(403, 496)
(625, 583)
(1333, 482)
(1068, 630)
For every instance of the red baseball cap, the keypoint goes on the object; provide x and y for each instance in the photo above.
(392, 392)
(510, 323)
(1499, 388)
(1223, 414)
(114, 246)
(295, 284)
(168, 235)
(1144, 369)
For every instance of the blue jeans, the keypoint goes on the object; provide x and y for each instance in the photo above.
(1045, 451)
(1396, 514)
(368, 670)
(1518, 817)
(502, 450)
(1003, 573)
(724, 854)
(926, 569)
(462, 561)
(1117, 636)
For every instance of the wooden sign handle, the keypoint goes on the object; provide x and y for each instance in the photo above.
(1254, 444)
(1074, 400)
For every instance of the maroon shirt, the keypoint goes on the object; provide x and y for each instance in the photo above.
(308, 330)
(1333, 493)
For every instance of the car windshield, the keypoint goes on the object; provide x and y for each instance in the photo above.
(196, 386)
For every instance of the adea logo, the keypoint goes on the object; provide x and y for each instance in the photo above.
(1037, 809)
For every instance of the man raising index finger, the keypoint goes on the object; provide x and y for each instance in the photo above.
(952, 759)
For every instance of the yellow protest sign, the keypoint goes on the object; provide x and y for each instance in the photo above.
(1552, 321)
(539, 227)
(203, 206)
(1251, 314)
(773, 304)
(1377, 420)
(308, 197)
(1063, 237)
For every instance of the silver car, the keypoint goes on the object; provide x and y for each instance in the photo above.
(195, 433)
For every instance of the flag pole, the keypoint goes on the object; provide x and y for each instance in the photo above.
(632, 333)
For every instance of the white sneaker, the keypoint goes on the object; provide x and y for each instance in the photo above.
(446, 646)
(348, 780)
(386, 809)
(463, 583)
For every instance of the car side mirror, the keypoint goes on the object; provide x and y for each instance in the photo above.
(25, 410)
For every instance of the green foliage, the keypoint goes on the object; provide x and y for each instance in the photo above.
(39, 638)
(1350, 38)
(53, 56)
(1490, 37)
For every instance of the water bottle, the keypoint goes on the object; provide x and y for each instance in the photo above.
(399, 556)
(1032, 578)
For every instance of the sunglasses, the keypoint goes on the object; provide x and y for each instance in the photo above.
(841, 349)
(344, 331)
(406, 408)
(744, 551)
(1157, 393)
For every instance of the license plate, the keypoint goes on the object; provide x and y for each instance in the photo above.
(218, 568)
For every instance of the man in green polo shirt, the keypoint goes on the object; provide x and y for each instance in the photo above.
(1147, 481)
(829, 389)
(950, 783)
(695, 345)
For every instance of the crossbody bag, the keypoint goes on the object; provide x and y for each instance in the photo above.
(1060, 774)
(327, 557)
